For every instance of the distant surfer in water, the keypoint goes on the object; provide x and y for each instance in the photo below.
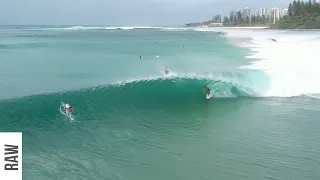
(207, 90)
(166, 71)
(140, 57)
(68, 110)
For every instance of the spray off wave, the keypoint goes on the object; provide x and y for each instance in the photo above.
(290, 60)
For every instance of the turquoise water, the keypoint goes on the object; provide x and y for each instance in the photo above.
(133, 122)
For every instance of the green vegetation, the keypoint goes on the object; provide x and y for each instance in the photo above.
(216, 19)
(301, 15)
(205, 23)
(238, 21)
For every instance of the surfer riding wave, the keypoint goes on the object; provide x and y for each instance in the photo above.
(67, 110)
(207, 90)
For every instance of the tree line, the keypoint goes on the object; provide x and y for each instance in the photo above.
(301, 8)
(301, 15)
(254, 20)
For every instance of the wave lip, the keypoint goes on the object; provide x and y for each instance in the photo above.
(222, 85)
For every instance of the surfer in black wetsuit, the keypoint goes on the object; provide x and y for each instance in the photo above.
(207, 89)
(274, 40)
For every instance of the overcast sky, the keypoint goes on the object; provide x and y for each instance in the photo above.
(121, 12)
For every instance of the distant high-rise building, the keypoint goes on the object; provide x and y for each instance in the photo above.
(246, 14)
(263, 12)
(238, 17)
(283, 12)
(275, 14)
(232, 18)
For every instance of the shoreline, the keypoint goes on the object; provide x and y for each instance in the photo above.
(248, 28)
(244, 27)
(186, 27)
(227, 27)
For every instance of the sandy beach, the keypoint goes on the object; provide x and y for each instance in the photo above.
(225, 27)
(255, 27)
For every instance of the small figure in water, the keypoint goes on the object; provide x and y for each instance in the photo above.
(166, 71)
(68, 110)
(140, 57)
(207, 90)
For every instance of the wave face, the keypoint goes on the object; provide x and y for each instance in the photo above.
(152, 92)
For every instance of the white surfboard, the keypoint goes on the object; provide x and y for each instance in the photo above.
(208, 96)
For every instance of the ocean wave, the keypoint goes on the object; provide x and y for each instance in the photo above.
(290, 62)
(74, 28)
(149, 92)
(250, 82)
(113, 100)
(83, 28)
(222, 85)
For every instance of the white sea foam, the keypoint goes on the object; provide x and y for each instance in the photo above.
(292, 63)
(131, 27)
(98, 27)
(72, 28)
(174, 29)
